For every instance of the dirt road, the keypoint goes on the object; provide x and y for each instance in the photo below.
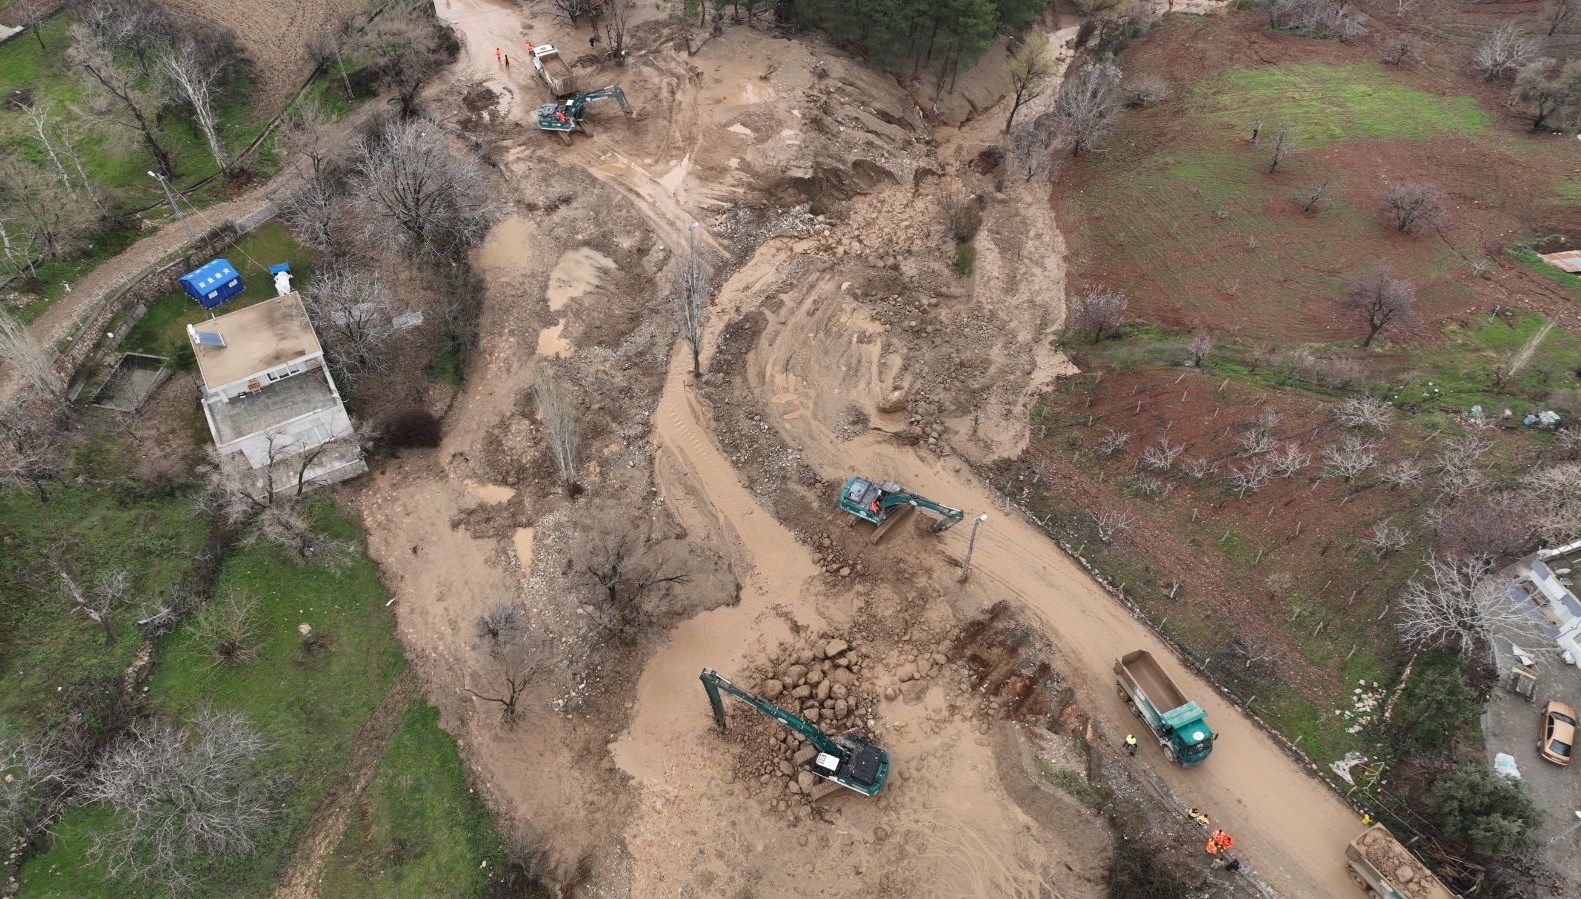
(710, 128)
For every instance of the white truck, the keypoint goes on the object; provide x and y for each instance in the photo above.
(553, 70)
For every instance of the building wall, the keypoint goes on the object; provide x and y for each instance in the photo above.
(263, 379)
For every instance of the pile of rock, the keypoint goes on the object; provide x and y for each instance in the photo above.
(822, 681)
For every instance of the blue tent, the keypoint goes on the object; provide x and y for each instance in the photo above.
(213, 283)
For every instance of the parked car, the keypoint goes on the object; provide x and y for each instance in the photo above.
(1557, 739)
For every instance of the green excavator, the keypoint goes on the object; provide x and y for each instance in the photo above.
(884, 504)
(568, 116)
(846, 759)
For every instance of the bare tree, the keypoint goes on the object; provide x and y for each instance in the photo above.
(95, 604)
(1201, 345)
(1387, 538)
(1161, 456)
(33, 773)
(1031, 146)
(1506, 49)
(500, 622)
(509, 690)
(40, 119)
(1400, 49)
(1284, 148)
(1111, 442)
(1549, 97)
(1557, 13)
(1348, 458)
(407, 49)
(1198, 467)
(559, 425)
(1554, 494)
(1086, 105)
(1413, 206)
(1288, 459)
(1144, 90)
(1029, 70)
(1312, 197)
(123, 98)
(418, 195)
(1111, 522)
(1249, 477)
(632, 570)
(691, 298)
(1403, 8)
(196, 75)
(1380, 300)
(1496, 525)
(180, 796)
(128, 28)
(1364, 412)
(614, 20)
(1461, 603)
(46, 216)
(227, 629)
(355, 314)
(32, 450)
(30, 15)
(1321, 18)
(1097, 310)
(1257, 441)
(1403, 473)
(30, 358)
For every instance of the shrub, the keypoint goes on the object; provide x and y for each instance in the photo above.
(965, 258)
(1478, 806)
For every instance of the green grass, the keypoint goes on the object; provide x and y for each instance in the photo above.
(1530, 258)
(418, 831)
(1460, 374)
(162, 330)
(310, 706)
(1091, 795)
(1325, 103)
(46, 653)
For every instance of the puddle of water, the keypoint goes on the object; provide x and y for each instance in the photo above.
(550, 343)
(490, 493)
(523, 543)
(505, 249)
(575, 273)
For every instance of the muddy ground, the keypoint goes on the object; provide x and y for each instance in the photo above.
(840, 341)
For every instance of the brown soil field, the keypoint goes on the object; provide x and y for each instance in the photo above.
(275, 36)
(1207, 239)
(839, 342)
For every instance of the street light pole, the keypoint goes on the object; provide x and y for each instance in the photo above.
(971, 544)
(173, 207)
(1564, 833)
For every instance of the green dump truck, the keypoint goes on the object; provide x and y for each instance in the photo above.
(1179, 725)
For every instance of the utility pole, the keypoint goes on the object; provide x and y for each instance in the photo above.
(174, 208)
(971, 544)
(334, 40)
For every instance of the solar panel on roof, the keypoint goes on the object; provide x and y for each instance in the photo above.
(208, 338)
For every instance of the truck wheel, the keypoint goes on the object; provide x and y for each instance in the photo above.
(1169, 752)
(1359, 881)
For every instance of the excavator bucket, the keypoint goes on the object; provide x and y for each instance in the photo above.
(890, 521)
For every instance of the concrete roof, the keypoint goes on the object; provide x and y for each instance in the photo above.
(1568, 260)
(258, 338)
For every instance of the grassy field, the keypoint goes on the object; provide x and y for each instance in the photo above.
(162, 330)
(419, 830)
(1323, 103)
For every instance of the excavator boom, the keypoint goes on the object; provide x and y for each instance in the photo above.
(845, 759)
(884, 504)
(567, 117)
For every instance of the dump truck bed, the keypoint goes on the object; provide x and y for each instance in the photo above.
(1150, 676)
(1376, 851)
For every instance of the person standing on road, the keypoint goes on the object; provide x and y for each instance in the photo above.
(1198, 818)
(1130, 744)
(497, 55)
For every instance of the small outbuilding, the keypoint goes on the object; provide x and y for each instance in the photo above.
(1565, 261)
